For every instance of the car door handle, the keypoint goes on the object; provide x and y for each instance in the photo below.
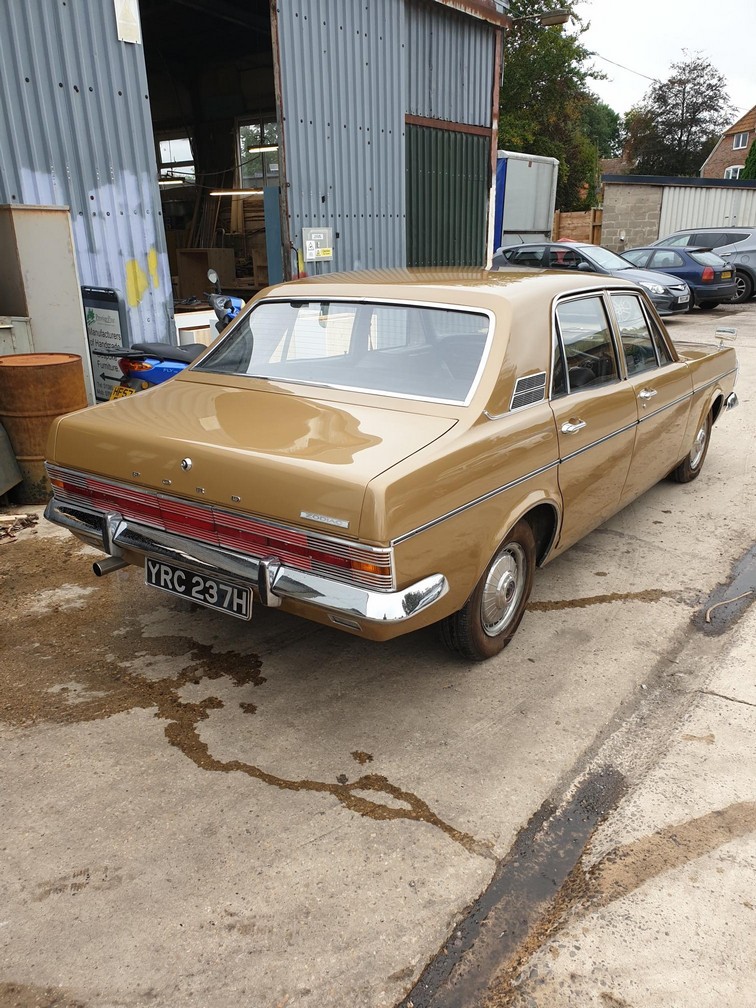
(647, 393)
(572, 428)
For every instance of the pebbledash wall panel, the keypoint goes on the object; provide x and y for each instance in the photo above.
(349, 74)
(75, 131)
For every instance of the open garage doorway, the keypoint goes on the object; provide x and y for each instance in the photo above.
(210, 68)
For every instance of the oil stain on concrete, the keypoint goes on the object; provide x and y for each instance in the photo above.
(100, 684)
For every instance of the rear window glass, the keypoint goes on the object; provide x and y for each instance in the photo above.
(708, 259)
(404, 350)
(733, 239)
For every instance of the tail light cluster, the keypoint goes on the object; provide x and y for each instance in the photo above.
(129, 366)
(708, 274)
(362, 566)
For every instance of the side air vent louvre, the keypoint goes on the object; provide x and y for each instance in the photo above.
(528, 390)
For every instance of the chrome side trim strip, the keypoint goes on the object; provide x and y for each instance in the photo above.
(600, 441)
(470, 504)
(666, 406)
(271, 580)
(725, 374)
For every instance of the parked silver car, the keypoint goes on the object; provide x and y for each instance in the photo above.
(737, 246)
(669, 294)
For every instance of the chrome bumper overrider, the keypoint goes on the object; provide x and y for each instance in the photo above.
(731, 401)
(271, 580)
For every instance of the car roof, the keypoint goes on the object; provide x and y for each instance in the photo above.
(473, 287)
(686, 249)
(714, 230)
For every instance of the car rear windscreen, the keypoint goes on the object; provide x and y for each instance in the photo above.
(410, 350)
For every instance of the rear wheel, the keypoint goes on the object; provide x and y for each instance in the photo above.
(489, 618)
(690, 467)
(743, 288)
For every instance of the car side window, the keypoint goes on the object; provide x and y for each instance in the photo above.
(638, 345)
(666, 260)
(637, 258)
(586, 339)
(527, 257)
(711, 239)
(643, 344)
(680, 240)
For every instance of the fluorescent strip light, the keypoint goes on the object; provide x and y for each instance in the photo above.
(171, 182)
(261, 150)
(236, 192)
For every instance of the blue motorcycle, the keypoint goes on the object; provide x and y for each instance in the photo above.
(145, 365)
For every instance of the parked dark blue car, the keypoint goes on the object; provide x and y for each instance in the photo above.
(710, 278)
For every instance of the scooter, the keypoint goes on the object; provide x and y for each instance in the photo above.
(145, 365)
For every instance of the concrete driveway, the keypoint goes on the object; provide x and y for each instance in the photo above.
(195, 811)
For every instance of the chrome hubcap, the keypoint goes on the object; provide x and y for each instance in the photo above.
(696, 452)
(503, 588)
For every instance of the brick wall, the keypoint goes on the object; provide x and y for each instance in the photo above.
(633, 211)
(723, 156)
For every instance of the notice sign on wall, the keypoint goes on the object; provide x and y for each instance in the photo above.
(105, 318)
(318, 244)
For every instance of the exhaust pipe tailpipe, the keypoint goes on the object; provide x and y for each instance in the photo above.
(108, 565)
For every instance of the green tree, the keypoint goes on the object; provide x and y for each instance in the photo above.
(678, 121)
(545, 99)
(603, 127)
(749, 168)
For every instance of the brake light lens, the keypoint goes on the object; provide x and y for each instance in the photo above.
(708, 274)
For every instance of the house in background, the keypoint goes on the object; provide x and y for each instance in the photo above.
(728, 157)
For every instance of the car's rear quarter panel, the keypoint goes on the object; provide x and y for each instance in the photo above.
(713, 371)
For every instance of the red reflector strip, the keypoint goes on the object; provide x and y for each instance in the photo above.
(344, 561)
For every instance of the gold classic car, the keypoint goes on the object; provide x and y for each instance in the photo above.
(380, 451)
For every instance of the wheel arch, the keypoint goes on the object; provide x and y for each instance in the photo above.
(544, 521)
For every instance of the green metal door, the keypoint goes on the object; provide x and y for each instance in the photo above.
(448, 181)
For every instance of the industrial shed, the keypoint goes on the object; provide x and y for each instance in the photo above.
(188, 133)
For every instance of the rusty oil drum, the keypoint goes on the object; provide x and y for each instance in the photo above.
(34, 390)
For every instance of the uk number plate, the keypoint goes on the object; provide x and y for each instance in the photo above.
(726, 274)
(121, 390)
(226, 596)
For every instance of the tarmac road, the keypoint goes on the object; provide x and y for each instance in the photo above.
(200, 812)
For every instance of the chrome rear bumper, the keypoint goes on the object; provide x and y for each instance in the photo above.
(271, 580)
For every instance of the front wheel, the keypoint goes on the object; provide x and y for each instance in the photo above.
(743, 288)
(489, 618)
(690, 467)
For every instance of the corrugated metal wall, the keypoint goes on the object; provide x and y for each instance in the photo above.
(451, 65)
(701, 206)
(343, 82)
(349, 75)
(75, 130)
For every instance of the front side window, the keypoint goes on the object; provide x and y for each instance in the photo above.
(739, 141)
(405, 349)
(733, 171)
(638, 257)
(680, 240)
(589, 356)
